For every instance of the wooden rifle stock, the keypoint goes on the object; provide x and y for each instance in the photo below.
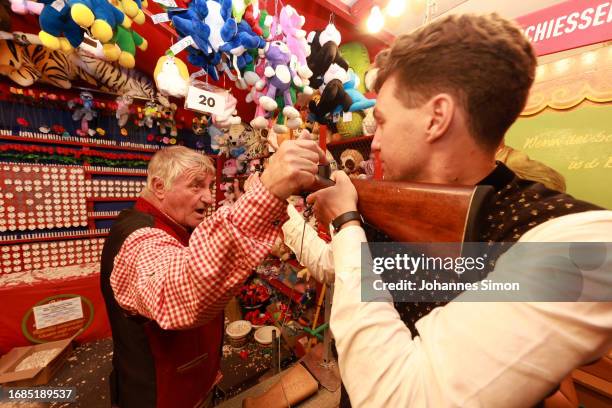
(418, 212)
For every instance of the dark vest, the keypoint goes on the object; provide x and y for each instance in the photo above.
(517, 206)
(153, 367)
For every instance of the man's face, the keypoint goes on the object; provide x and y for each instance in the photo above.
(188, 198)
(400, 136)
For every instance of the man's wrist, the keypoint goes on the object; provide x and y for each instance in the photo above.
(272, 187)
(349, 224)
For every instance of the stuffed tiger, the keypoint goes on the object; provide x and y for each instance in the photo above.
(15, 64)
(28, 64)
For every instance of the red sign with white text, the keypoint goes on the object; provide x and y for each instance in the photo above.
(568, 25)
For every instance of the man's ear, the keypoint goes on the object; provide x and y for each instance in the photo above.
(158, 188)
(441, 108)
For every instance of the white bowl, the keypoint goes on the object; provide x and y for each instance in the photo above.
(263, 335)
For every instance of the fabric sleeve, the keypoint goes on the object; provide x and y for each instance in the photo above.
(182, 287)
(467, 354)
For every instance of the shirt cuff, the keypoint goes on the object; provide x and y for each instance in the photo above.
(346, 246)
(260, 209)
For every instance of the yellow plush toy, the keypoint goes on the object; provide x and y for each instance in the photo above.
(171, 76)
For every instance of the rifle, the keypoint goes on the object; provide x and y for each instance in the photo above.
(417, 212)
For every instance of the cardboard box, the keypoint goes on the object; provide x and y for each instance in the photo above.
(34, 376)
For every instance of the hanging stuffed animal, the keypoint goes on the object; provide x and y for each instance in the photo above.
(334, 98)
(360, 102)
(99, 16)
(166, 122)
(15, 64)
(171, 76)
(84, 113)
(280, 75)
(26, 7)
(122, 46)
(295, 38)
(229, 168)
(324, 52)
(123, 109)
(227, 118)
(219, 141)
(55, 20)
(147, 117)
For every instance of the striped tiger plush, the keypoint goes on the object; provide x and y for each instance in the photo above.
(112, 78)
(15, 64)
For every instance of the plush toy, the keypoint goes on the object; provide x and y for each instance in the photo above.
(251, 16)
(369, 122)
(280, 75)
(295, 38)
(256, 143)
(123, 109)
(219, 141)
(358, 58)
(227, 118)
(166, 122)
(146, 118)
(324, 52)
(100, 16)
(229, 168)
(360, 102)
(255, 166)
(199, 125)
(55, 20)
(132, 9)
(334, 99)
(84, 113)
(122, 47)
(171, 76)
(26, 7)
(15, 64)
(229, 193)
(351, 161)
(367, 167)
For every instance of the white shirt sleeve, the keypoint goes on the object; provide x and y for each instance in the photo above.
(468, 354)
(314, 253)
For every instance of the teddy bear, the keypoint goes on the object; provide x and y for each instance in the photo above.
(166, 122)
(123, 109)
(351, 160)
(230, 168)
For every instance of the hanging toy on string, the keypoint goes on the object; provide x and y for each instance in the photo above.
(84, 113)
(123, 109)
(171, 76)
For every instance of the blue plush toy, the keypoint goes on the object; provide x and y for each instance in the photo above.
(360, 102)
(214, 32)
(98, 15)
(55, 20)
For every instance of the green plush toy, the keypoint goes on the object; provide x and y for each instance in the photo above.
(122, 47)
(352, 128)
(357, 56)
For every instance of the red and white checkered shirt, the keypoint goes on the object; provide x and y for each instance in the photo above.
(181, 287)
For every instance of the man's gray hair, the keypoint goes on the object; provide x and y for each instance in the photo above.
(170, 162)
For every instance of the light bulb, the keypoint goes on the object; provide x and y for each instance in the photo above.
(396, 7)
(375, 20)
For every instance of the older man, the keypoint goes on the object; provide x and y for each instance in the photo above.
(168, 270)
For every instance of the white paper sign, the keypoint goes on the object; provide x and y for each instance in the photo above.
(57, 312)
(167, 3)
(160, 18)
(347, 116)
(205, 101)
(181, 45)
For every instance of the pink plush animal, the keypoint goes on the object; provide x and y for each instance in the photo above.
(26, 7)
(295, 38)
(230, 168)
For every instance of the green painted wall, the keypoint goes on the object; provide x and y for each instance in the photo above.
(576, 143)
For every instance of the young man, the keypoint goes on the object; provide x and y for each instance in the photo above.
(168, 270)
(447, 93)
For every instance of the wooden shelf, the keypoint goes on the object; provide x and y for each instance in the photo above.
(77, 143)
(110, 199)
(52, 238)
(350, 141)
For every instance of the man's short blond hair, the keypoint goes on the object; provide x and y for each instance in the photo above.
(169, 163)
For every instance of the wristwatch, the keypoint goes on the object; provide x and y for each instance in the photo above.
(340, 220)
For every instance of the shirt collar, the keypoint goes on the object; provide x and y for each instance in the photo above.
(163, 221)
(500, 177)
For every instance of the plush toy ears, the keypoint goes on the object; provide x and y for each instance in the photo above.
(330, 33)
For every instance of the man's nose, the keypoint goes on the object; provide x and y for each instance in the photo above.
(375, 146)
(207, 197)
